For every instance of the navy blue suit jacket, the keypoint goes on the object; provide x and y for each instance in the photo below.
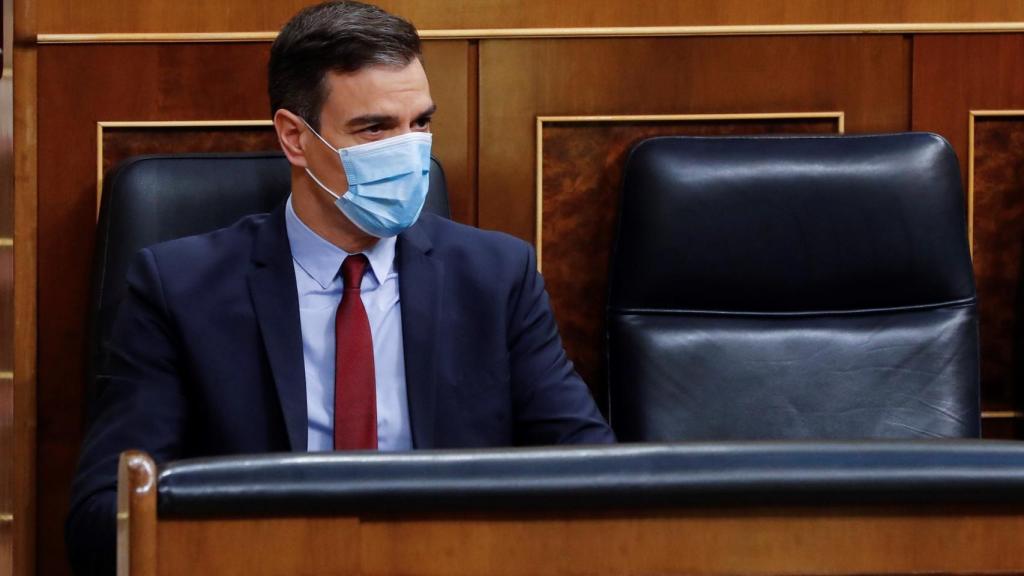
(206, 357)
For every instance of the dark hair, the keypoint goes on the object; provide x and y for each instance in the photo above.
(341, 37)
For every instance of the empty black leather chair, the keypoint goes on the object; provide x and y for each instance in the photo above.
(149, 199)
(792, 287)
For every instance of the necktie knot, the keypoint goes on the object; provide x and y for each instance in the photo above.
(352, 270)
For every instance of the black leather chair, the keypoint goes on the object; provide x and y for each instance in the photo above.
(149, 199)
(792, 287)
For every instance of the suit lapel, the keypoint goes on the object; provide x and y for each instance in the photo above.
(420, 285)
(274, 297)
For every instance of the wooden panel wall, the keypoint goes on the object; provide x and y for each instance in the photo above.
(112, 16)
(490, 93)
(954, 75)
(7, 411)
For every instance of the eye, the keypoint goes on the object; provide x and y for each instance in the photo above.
(422, 123)
(373, 129)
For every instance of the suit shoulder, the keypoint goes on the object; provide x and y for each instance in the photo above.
(219, 248)
(447, 235)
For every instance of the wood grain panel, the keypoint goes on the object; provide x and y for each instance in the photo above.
(865, 77)
(71, 16)
(749, 542)
(123, 142)
(998, 256)
(6, 325)
(818, 540)
(120, 143)
(20, 30)
(82, 85)
(954, 74)
(7, 461)
(268, 547)
(452, 74)
(582, 167)
(8, 464)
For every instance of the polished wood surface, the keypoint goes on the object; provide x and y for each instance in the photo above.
(581, 176)
(999, 254)
(7, 463)
(136, 515)
(732, 541)
(523, 79)
(21, 16)
(72, 16)
(122, 142)
(953, 75)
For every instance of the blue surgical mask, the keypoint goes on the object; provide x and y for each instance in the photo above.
(387, 182)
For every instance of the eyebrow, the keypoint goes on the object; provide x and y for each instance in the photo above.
(369, 119)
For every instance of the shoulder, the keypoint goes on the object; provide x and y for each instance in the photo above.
(219, 248)
(453, 240)
(201, 267)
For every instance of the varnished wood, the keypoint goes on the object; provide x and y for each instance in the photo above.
(71, 16)
(821, 539)
(136, 515)
(591, 32)
(523, 79)
(7, 464)
(954, 75)
(448, 67)
(996, 202)
(24, 73)
(119, 141)
(264, 547)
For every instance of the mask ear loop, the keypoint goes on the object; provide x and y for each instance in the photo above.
(317, 134)
(310, 172)
(321, 184)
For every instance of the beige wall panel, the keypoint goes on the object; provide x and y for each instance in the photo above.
(126, 16)
(867, 77)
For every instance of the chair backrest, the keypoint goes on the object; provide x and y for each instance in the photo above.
(792, 287)
(150, 199)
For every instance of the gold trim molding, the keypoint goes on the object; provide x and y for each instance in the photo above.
(1002, 415)
(972, 116)
(6, 242)
(105, 125)
(839, 117)
(7, 375)
(585, 32)
(6, 518)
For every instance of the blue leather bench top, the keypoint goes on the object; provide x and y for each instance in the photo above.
(637, 476)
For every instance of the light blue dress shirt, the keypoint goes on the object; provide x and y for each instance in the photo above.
(317, 263)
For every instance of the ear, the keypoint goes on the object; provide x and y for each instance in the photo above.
(290, 129)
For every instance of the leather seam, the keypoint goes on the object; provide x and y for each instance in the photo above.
(952, 304)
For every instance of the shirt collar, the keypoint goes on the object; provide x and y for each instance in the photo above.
(322, 260)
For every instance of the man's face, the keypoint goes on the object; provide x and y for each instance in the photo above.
(371, 104)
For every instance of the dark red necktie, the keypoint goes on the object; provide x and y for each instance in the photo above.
(355, 389)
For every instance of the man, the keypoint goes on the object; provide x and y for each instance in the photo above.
(342, 320)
